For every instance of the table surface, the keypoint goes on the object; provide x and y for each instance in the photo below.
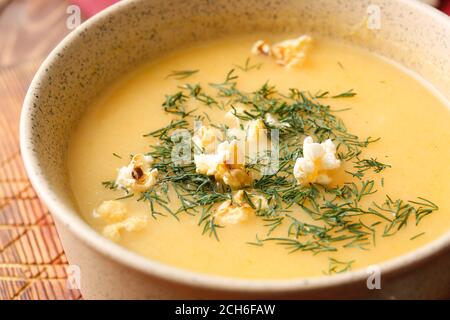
(32, 260)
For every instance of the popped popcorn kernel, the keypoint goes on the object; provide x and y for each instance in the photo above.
(292, 52)
(206, 138)
(132, 224)
(258, 201)
(318, 159)
(138, 175)
(255, 130)
(288, 53)
(111, 211)
(271, 120)
(233, 175)
(207, 163)
(226, 165)
(112, 232)
(261, 47)
(238, 210)
(114, 214)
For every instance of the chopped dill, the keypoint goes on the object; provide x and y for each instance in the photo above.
(181, 74)
(347, 94)
(367, 164)
(131, 195)
(336, 266)
(248, 66)
(110, 185)
(257, 242)
(417, 236)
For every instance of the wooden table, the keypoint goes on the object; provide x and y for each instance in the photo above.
(32, 261)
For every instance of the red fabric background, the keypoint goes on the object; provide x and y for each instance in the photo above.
(91, 7)
(445, 6)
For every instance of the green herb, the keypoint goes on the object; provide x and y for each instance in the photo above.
(371, 164)
(110, 185)
(347, 94)
(126, 197)
(417, 236)
(257, 242)
(181, 74)
(248, 67)
(336, 266)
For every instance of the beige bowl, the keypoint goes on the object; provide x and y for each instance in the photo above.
(120, 38)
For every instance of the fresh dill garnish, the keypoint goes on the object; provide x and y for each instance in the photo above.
(336, 266)
(131, 195)
(339, 217)
(363, 165)
(116, 155)
(417, 236)
(181, 74)
(367, 164)
(110, 184)
(248, 67)
(257, 242)
(347, 94)
(210, 228)
(321, 94)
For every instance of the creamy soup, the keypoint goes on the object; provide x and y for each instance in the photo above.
(304, 219)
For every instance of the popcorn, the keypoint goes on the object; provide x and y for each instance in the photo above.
(317, 161)
(132, 224)
(228, 213)
(115, 215)
(231, 152)
(233, 175)
(255, 130)
(258, 201)
(237, 211)
(206, 138)
(256, 139)
(272, 121)
(261, 47)
(292, 52)
(226, 165)
(207, 163)
(138, 175)
(287, 53)
(111, 211)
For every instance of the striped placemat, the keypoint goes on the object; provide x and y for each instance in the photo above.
(32, 261)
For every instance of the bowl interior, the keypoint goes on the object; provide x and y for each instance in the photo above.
(131, 32)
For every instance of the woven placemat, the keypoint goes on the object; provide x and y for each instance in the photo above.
(32, 260)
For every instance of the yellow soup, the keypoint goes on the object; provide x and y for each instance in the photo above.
(350, 229)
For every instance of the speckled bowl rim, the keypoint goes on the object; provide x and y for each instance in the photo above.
(71, 219)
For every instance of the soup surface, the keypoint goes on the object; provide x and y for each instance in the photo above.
(408, 162)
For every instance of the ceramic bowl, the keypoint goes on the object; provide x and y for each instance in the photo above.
(131, 32)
